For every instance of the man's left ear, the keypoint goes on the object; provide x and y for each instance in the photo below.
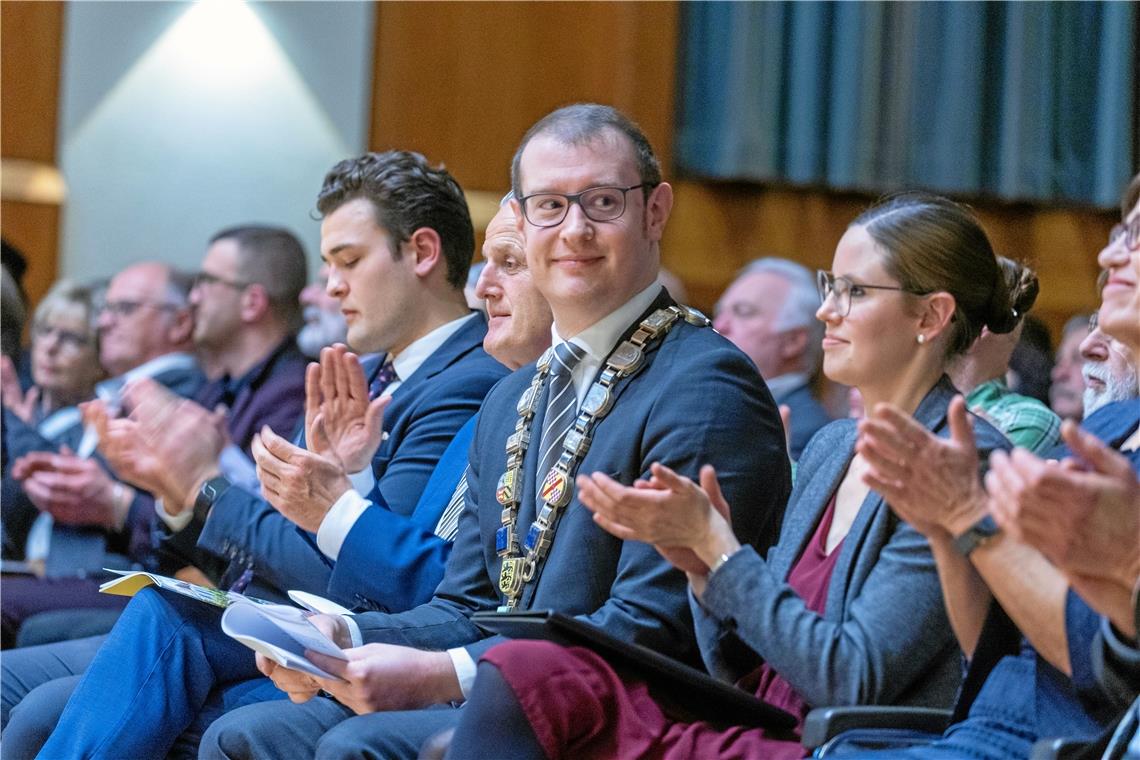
(937, 313)
(426, 249)
(254, 302)
(657, 208)
(183, 328)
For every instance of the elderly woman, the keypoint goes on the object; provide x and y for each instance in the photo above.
(65, 368)
(846, 608)
(65, 362)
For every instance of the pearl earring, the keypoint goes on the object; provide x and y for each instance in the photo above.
(921, 338)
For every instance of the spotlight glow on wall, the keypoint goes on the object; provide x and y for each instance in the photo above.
(222, 43)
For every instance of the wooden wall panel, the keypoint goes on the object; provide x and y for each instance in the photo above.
(30, 39)
(461, 82)
(717, 228)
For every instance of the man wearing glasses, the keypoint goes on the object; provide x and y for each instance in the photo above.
(145, 326)
(631, 379)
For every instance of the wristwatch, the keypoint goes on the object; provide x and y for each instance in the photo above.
(978, 534)
(208, 494)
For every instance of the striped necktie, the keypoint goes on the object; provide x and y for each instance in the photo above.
(448, 526)
(561, 405)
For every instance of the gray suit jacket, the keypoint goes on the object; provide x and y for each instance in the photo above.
(884, 637)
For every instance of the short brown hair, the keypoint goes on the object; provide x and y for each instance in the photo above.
(1130, 197)
(581, 124)
(407, 193)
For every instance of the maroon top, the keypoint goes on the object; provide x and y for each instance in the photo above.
(810, 578)
(580, 707)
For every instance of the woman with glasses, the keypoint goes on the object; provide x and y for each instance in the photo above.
(846, 608)
(65, 361)
(65, 369)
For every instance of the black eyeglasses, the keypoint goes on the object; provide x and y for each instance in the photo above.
(1130, 231)
(205, 278)
(126, 308)
(844, 290)
(599, 204)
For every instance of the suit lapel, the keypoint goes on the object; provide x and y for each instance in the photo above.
(527, 510)
(801, 523)
(874, 514)
(466, 339)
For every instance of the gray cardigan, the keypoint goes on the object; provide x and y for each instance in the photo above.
(884, 637)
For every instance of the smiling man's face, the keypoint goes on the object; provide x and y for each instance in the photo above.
(587, 269)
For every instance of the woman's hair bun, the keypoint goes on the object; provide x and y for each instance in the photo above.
(1014, 294)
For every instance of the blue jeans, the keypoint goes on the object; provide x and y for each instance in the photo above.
(152, 678)
(1018, 704)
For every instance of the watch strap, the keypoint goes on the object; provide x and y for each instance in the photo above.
(977, 535)
(208, 495)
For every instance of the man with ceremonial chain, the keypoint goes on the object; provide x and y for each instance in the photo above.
(631, 379)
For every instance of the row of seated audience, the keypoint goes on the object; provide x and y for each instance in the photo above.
(589, 446)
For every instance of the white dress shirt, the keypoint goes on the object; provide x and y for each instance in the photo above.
(346, 510)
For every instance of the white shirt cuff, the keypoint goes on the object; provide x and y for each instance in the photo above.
(239, 469)
(174, 522)
(464, 669)
(342, 515)
(364, 480)
(354, 631)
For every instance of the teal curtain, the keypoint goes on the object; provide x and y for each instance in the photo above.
(1022, 101)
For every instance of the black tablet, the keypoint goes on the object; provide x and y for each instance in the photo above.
(685, 692)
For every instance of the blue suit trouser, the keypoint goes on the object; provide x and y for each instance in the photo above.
(322, 729)
(153, 679)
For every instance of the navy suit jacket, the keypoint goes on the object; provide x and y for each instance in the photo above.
(392, 563)
(698, 399)
(425, 413)
(271, 393)
(808, 416)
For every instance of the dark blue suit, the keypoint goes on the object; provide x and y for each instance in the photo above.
(271, 393)
(166, 657)
(697, 400)
(389, 563)
(808, 416)
(425, 413)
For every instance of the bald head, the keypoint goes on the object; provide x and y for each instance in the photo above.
(518, 317)
(145, 315)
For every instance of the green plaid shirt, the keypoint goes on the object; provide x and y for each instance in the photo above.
(1025, 421)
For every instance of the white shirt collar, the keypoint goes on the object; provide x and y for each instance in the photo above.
(109, 390)
(409, 360)
(600, 338)
(786, 383)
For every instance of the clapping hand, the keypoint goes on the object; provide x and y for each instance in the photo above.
(340, 421)
(684, 522)
(14, 399)
(932, 483)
